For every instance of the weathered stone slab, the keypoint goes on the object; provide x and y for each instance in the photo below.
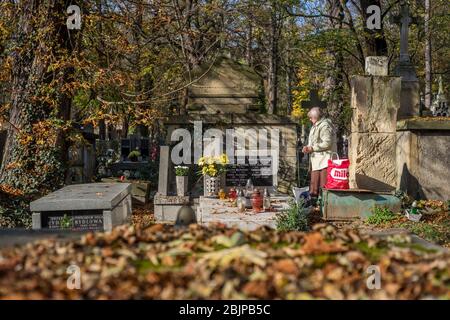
(88, 196)
(375, 102)
(372, 161)
(163, 179)
(372, 149)
(94, 206)
(377, 66)
(166, 207)
(218, 211)
(409, 100)
(424, 124)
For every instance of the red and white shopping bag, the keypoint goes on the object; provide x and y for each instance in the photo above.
(337, 173)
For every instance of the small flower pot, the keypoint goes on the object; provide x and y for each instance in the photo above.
(182, 185)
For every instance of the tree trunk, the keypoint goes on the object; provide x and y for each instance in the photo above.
(35, 146)
(102, 129)
(334, 84)
(272, 74)
(289, 81)
(428, 61)
(248, 44)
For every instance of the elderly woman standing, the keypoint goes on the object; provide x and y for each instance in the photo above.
(321, 145)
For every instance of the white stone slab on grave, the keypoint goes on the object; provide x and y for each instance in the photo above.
(212, 210)
(97, 206)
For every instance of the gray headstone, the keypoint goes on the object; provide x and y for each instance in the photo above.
(163, 179)
(87, 196)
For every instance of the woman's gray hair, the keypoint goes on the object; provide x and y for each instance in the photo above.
(315, 112)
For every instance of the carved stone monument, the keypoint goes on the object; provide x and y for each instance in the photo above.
(375, 101)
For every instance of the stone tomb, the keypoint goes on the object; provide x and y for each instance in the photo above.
(211, 211)
(93, 206)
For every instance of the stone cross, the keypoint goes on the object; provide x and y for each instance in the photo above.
(314, 101)
(404, 20)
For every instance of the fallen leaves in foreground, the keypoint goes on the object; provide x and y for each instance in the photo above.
(162, 262)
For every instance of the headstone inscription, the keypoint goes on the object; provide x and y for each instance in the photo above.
(92, 206)
(73, 219)
(259, 171)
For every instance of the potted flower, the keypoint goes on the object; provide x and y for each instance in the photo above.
(181, 173)
(134, 155)
(212, 168)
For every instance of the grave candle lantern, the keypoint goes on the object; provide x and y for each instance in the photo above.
(222, 195)
(232, 194)
(240, 202)
(257, 201)
(266, 200)
(249, 187)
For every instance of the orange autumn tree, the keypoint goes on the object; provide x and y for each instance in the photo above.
(42, 85)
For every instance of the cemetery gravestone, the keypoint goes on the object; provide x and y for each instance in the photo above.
(166, 206)
(93, 206)
(375, 101)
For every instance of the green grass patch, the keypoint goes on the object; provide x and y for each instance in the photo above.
(294, 218)
(381, 216)
(435, 233)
